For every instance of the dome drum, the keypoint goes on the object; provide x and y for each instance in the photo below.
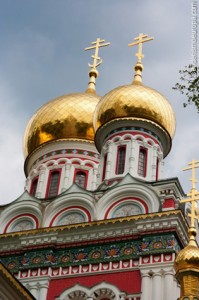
(103, 131)
(58, 149)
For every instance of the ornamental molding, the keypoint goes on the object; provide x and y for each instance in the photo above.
(50, 149)
(146, 250)
(40, 276)
(110, 229)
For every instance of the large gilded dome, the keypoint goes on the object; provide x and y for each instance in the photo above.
(67, 117)
(135, 101)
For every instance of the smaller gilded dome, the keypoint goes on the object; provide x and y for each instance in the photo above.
(135, 101)
(188, 258)
(66, 117)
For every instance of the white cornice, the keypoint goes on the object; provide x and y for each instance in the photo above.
(100, 230)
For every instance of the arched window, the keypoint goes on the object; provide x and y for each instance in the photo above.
(77, 295)
(104, 167)
(120, 164)
(142, 162)
(103, 294)
(80, 179)
(34, 187)
(53, 184)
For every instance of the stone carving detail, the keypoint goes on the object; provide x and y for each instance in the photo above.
(127, 210)
(71, 218)
(22, 225)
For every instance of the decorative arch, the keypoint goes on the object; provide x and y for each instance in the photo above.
(127, 137)
(89, 164)
(148, 199)
(103, 294)
(26, 207)
(33, 173)
(22, 222)
(74, 215)
(139, 138)
(62, 161)
(126, 207)
(76, 161)
(77, 295)
(116, 139)
(50, 163)
(102, 291)
(79, 202)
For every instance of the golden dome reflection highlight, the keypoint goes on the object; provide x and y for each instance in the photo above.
(67, 117)
(135, 100)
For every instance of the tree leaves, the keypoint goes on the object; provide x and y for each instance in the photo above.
(189, 85)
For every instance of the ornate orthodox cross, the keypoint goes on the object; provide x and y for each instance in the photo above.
(193, 195)
(142, 38)
(96, 45)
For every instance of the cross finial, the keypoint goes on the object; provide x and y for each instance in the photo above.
(96, 45)
(142, 38)
(193, 195)
(93, 73)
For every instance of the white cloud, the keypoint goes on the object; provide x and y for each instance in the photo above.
(11, 157)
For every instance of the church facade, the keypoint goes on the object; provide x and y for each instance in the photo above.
(97, 219)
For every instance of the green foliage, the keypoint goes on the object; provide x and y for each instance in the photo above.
(189, 85)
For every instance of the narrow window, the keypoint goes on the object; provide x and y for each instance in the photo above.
(34, 187)
(157, 169)
(104, 167)
(142, 162)
(120, 164)
(53, 184)
(80, 179)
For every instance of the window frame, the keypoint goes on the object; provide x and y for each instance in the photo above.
(157, 169)
(144, 163)
(118, 162)
(49, 182)
(86, 177)
(104, 167)
(36, 179)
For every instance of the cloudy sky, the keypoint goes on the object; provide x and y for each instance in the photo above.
(42, 56)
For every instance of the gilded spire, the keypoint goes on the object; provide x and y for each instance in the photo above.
(187, 260)
(93, 73)
(142, 38)
(193, 195)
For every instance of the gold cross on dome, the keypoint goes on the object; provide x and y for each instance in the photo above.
(96, 45)
(142, 38)
(193, 195)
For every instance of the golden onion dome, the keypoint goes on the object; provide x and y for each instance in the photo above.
(187, 268)
(67, 117)
(135, 101)
(188, 258)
